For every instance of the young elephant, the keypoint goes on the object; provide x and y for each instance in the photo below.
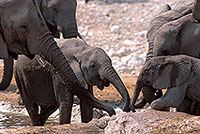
(166, 15)
(179, 74)
(91, 65)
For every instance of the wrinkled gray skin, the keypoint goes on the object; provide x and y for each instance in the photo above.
(60, 17)
(166, 15)
(178, 74)
(24, 31)
(92, 67)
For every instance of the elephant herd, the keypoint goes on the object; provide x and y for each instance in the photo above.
(49, 73)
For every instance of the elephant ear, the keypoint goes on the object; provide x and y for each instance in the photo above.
(77, 70)
(173, 75)
(3, 47)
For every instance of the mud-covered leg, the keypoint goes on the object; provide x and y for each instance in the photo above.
(172, 98)
(64, 99)
(46, 112)
(86, 111)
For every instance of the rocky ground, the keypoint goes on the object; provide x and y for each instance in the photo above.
(119, 27)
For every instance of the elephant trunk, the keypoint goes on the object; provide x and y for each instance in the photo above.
(136, 93)
(52, 53)
(69, 31)
(7, 73)
(111, 75)
(150, 51)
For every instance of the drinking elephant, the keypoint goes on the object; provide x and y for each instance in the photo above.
(92, 67)
(24, 31)
(166, 15)
(59, 16)
(179, 74)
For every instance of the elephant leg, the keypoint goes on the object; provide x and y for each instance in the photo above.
(141, 102)
(172, 98)
(149, 95)
(86, 111)
(185, 106)
(46, 112)
(33, 113)
(64, 99)
(32, 108)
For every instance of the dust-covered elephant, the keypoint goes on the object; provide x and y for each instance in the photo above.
(178, 74)
(59, 16)
(92, 67)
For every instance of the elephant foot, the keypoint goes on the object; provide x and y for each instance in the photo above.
(159, 105)
(125, 107)
(132, 108)
(141, 103)
(112, 112)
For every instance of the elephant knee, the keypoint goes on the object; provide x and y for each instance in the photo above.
(159, 105)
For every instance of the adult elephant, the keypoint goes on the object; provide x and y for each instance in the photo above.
(24, 31)
(166, 15)
(91, 65)
(60, 17)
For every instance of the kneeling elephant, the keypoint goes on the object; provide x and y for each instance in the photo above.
(179, 74)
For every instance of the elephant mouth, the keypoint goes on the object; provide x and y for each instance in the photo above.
(100, 83)
(103, 84)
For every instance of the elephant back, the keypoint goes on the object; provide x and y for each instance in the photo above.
(71, 43)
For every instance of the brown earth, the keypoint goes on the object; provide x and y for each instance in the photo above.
(109, 93)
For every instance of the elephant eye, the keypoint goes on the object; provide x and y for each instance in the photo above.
(145, 72)
(92, 65)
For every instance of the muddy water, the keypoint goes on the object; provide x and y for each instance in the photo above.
(16, 116)
(9, 120)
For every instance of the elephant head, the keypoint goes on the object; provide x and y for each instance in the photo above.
(94, 67)
(163, 72)
(169, 37)
(60, 15)
(24, 31)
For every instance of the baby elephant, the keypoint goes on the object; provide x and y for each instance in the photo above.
(92, 67)
(178, 74)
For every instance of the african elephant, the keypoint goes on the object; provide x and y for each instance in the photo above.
(24, 31)
(179, 74)
(92, 67)
(59, 16)
(166, 15)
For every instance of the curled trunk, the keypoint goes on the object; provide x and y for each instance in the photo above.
(112, 76)
(7, 73)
